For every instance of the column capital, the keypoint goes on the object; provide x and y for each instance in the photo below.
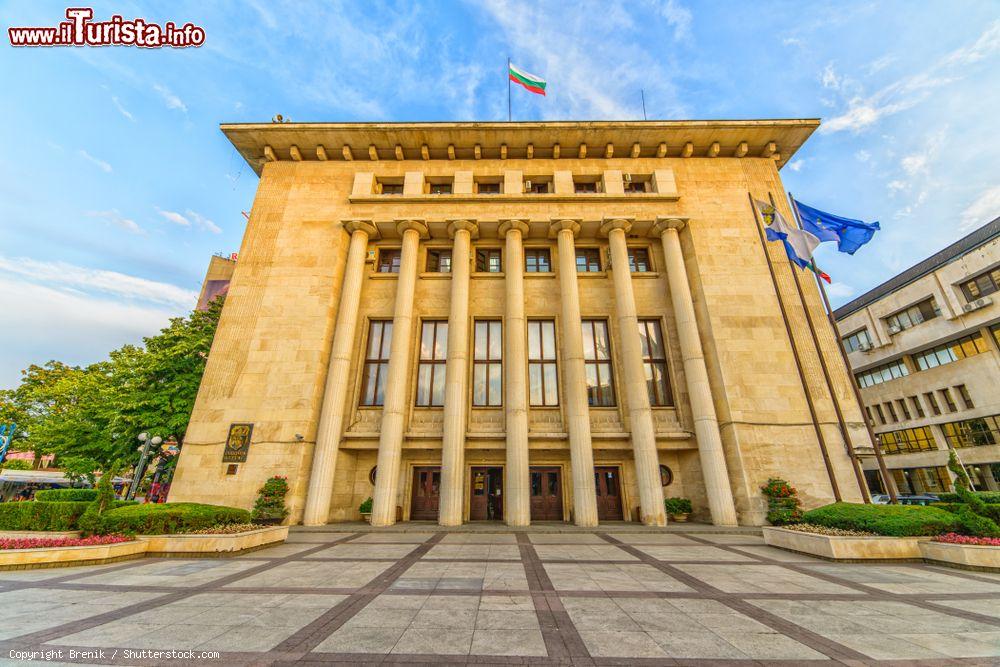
(511, 224)
(662, 224)
(470, 226)
(559, 224)
(365, 226)
(416, 225)
(610, 224)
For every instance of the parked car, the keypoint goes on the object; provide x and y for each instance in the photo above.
(880, 499)
(925, 499)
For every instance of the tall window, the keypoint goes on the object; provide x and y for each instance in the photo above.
(438, 261)
(903, 409)
(487, 364)
(880, 412)
(960, 348)
(638, 260)
(966, 396)
(537, 260)
(892, 411)
(914, 315)
(948, 400)
(588, 260)
(597, 363)
(376, 362)
(931, 401)
(488, 260)
(981, 285)
(654, 359)
(543, 385)
(857, 341)
(388, 260)
(431, 370)
(917, 407)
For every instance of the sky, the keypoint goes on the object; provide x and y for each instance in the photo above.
(116, 184)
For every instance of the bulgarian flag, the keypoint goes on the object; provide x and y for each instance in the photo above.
(535, 84)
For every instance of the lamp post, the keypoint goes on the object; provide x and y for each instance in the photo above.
(147, 444)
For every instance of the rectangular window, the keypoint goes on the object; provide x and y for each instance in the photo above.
(536, 186)
(960, 348)
(921, 480)
(488, 188)
(537, 260)
(948, 400)
(439, 188)
(390, 188)
(654, 359)
(376, 362)
(634, 185)
(908, 440)
(588, 260)
(880, 413)
(932, 402)
(431, 369)
(892, 411)
(638, 260)
(488, 260)
(973, 432)
(597, 363)
(543, 383)
(883, 373)
(438, 261)
(487, 364)
(858, 340)
(871, 418)
(388, 260)
(917, 407)
(966, 397)
(981, 285)
(914, 315)
(996, 333)
(905, 411)
(583, 187)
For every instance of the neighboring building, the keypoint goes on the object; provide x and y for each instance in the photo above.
(925, 348)
(217, 279)
(520, 321)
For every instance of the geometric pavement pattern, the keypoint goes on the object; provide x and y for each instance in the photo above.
(589, 598)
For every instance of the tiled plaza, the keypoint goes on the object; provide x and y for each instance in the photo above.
(589, 598)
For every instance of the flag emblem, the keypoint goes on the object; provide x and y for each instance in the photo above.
(531, 82)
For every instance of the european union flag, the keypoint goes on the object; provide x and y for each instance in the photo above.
(849, 234)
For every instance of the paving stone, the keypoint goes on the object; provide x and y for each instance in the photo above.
(438, 641)
(522, 642)
(352, 639)
(621, 644)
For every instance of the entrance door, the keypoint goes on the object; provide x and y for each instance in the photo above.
(609, 495)
(426, 494)
(546, 494)
(486, 501)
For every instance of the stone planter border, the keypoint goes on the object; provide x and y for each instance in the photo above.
(850, 549)
(26, 559)
(965, 556)
(201, 546)
(51, 534)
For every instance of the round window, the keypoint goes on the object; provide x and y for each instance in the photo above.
(372, 472)
(666, 476)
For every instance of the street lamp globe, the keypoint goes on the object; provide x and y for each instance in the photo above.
(143, 437)
(156, 440)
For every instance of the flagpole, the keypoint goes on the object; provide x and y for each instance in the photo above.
(642, 93)
(888, 482)
(508, 89)
(841, 422)
(795, 354)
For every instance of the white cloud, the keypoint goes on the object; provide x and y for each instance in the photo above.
(863, 156)
(117, 219)
(862, 114)
(897, 185)
(173, 102)
(796, 165)
(174, 217)
(838, 290)
(203, 222)
(190, 219)
(880, 64)
(101, 164)
(679, 17)
(121, 109)
(914, 164)
(792, 41)
(985, 208)
(914, 204)
(829, 77)
(72, 278)
(987, 44)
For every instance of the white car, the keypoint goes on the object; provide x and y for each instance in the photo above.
(880, 499)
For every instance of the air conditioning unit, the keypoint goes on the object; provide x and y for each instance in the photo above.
(527, 186)
(370, 257)
(865, 347)
(894, 329)
(981, 302)
(628, 178)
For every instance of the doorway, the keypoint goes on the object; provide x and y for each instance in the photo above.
(426, 493)
(546, 494)
(609, 493)
(486, 503)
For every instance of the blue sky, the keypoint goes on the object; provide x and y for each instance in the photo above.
(116, 184)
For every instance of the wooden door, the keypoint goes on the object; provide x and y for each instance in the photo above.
(546, 494)
(426, 494)
(609, 496)
(486, 501)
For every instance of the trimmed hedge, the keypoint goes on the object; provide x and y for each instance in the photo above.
(36, 515)
(989, 497)
(992, 510)
(891, 520)
(168, 518)
(65, 495)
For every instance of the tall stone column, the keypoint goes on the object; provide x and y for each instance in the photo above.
(581, 450)
(456, 385)
(390, 442)
(706, 424)
(517, 504)
(331, 416)
(647, 461)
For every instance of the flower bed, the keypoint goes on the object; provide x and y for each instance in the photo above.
(955, 538)
(50, 542)
(846, 548)
(226, 529)
(58, 556)
(825, 530)
(971, 553)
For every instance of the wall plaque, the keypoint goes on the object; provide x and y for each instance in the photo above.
(238, 443)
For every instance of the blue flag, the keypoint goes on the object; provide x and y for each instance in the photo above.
(849, 234)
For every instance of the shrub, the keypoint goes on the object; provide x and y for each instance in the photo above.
(17, 464)
(366, 506)
(168, 518)
(953, 538)
(35, 515)
(988, 497)
(66, 495)
(270, 503)
(990, 510)
(104, 499)
(783, 506)
(891, 520)
(677, 505)
(50, 542)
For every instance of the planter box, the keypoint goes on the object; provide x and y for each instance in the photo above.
(51, 534)
(213, 544)
(972, 556)
(11, 559)
(845, 548)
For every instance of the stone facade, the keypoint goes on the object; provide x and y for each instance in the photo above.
(290, 351)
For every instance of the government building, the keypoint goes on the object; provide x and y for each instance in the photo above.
(518, 322)
(925, 348)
